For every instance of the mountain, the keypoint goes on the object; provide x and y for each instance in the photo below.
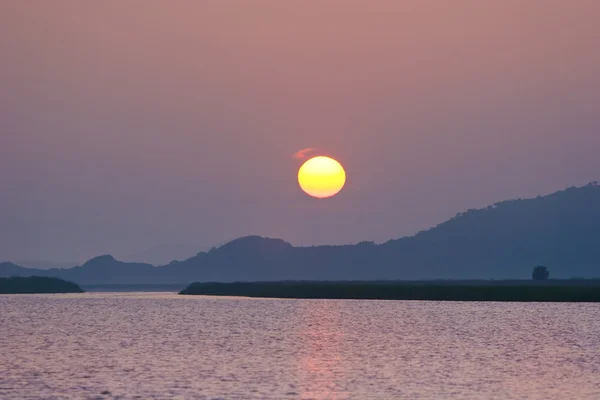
(105, 269)
(44, 264)
(8, 269)
(561, 230)
(163, 253)
(504, 240)
(99, 270)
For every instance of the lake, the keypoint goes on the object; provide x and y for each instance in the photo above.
(161, 345)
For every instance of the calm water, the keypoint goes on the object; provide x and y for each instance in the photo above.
(156, 345)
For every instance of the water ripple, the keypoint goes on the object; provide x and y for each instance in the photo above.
(157, 346)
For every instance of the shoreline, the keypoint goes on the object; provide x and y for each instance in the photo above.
(37, 285)
(505, 291)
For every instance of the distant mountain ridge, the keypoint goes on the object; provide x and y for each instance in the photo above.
(505, 240)
(44, 264)
(163, 253)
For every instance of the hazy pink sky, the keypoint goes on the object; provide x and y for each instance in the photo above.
(125, 124)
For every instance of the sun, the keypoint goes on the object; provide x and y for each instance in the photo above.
(321, 177)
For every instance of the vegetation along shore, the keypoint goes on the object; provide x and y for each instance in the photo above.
(512, 290)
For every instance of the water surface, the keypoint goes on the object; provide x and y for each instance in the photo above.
(158, 345)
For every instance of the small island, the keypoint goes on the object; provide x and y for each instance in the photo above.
(37, 284)
(510, 290)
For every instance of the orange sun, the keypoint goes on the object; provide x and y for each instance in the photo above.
(321, 177)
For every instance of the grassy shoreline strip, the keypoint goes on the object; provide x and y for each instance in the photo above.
(446, 291)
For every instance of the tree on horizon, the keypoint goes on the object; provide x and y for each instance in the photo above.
(540, 273)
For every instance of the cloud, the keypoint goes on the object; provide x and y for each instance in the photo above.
(301, 154)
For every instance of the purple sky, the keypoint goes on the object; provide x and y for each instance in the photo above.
(127, 124)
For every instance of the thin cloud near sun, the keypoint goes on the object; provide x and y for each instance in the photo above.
(302, 154)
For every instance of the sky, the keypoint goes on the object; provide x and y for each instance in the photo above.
(130, 124)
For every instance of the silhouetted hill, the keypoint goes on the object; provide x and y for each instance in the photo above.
(163, 253)
(37, 284)
(505, 240)
(105, 269)
(44, 264)
(561, 230)
(99, 270)
(10, 269)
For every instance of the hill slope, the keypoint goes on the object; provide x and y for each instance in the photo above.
(561, 230)
(37, 284)
(505, 240)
